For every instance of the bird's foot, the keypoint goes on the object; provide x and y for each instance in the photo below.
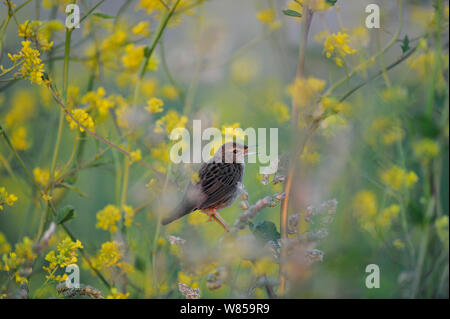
(214, 215)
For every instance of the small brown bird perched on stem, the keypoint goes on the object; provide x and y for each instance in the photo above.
(217, 186)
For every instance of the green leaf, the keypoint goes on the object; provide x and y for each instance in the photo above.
(292, 13)
(265, 231)
(103, 16)
(405, 44)
(65, 214)
(332, 2)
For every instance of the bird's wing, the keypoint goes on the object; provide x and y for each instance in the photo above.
(218, 182)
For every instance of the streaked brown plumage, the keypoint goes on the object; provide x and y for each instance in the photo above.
(217, 186)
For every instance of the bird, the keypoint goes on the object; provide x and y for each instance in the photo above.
(217, 186)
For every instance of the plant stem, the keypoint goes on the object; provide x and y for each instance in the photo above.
(437, 60)
(149, 52)
(306, 23)
(423, 248)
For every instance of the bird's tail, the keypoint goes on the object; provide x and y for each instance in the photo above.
(181, 210)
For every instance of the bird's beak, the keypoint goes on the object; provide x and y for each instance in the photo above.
(247, 153)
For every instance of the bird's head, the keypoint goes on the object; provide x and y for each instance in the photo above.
(231, 152)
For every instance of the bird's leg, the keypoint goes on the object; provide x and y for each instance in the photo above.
(221, 221)
(214, 215)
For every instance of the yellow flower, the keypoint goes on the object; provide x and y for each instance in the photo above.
(117, 295)
(114, 41)
(244, 70)
(386, 216)
(154, 105)
(142, 29)
(186, 279)
(337, 45)
(365, 204)
(305, 90)
(23, 108)
(98, 101)
(108, 217)
(332, 104)
(170, 92)
(31, 66)
(108, 256)
(66, 255)
(5, 247)
(133, 56)
(161, 152)
(268, 17)
(170, 121)
(398, 244)
(441, 225)
(281, 112)
(388, 131)
(6, 198)
(148, 87)
(398, 178)
(22, 255)
(41, 176)
(136, 155)
(426, 149)
(19, 138)
(82, 117)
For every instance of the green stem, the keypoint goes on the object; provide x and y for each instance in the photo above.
(423, 249)
(149, 51)
(437, 60)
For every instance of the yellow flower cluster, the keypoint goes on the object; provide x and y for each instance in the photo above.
(108, 256)
(305, 90)
(82, 117)
(334, 106)
(6, 198)
(442, 229)
(170, 121)
(23, 255)
(426, 149)
(66, 255)
(268, 17)
(365, 208)
(337, 45)
(386, 130)
(133, 57)
(98, 101)
(41, 176)
(142, 29)
(398, 178)
(281, 112)
(39, 32)
(170, 92)
(19, 138)
(129, 213)
(5, 247)
(136, 155)
(117, 295)
(31, 66)
(108, 217)
(154, 105)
